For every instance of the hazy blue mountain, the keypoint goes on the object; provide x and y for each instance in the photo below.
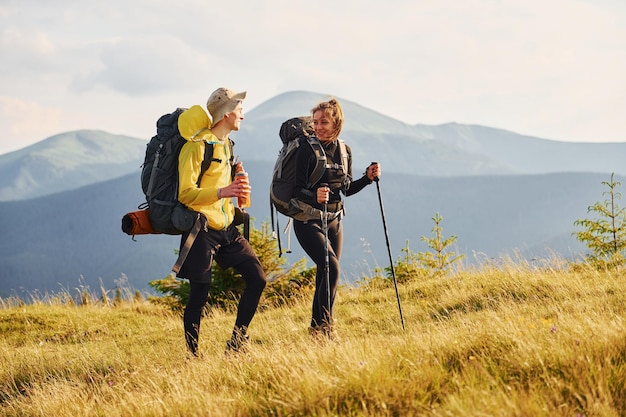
(68, 161)
(73, 159)
(62, 200)
(530, 155)
(371, 135)
(491, 215)
(74, 238)
(444, 150)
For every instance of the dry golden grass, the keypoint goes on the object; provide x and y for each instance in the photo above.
(510, 340)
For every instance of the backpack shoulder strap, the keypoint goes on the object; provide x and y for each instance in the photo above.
(320, 157)
(231, 147)
(208, 157)
(344, 156)
(206, 161)
(231, 160)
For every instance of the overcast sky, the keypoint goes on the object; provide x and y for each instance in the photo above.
(554, 69)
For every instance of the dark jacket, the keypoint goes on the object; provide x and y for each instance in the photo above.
(339, 180)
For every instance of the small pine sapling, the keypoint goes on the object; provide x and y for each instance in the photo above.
(605, 234)
(438, 261)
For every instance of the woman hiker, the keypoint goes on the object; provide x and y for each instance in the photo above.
(326, 196)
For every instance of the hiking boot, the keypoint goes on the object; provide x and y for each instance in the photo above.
(194, 356)
(323, 331)
(238, 342)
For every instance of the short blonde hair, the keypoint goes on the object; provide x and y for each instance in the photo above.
(331, 109)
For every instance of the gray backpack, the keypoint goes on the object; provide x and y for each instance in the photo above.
(296, 132)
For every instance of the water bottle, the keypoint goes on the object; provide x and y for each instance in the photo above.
(243, 202)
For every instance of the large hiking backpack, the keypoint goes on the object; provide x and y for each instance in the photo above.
(162, 212)
(159, 177)
(296, 132)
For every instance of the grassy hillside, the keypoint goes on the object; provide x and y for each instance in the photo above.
(512, 340)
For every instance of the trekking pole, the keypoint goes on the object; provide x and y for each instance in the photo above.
(393, 272)
(326, 260)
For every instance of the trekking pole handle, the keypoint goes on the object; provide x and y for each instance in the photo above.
(374, 163)
(324, 185)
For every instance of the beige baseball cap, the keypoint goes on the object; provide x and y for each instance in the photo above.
(223, 101)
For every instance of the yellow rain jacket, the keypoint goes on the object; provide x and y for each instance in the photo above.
(194, 125)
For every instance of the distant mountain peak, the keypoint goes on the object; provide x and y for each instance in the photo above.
(73, 159)
(67, 161)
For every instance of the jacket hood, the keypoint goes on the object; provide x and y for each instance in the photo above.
(192, 122)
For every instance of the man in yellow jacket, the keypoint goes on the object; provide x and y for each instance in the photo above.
(212, 196)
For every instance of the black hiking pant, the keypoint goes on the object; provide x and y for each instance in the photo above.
(310, 235)
(230, 249)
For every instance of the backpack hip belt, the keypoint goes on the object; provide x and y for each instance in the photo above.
(308, 212)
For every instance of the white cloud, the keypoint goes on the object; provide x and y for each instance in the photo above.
(21, 119)
(140, 66)
(549, 69)
(27, 51)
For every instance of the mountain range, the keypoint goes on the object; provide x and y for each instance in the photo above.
(68, 161)
(444, 150)
(62, 199)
